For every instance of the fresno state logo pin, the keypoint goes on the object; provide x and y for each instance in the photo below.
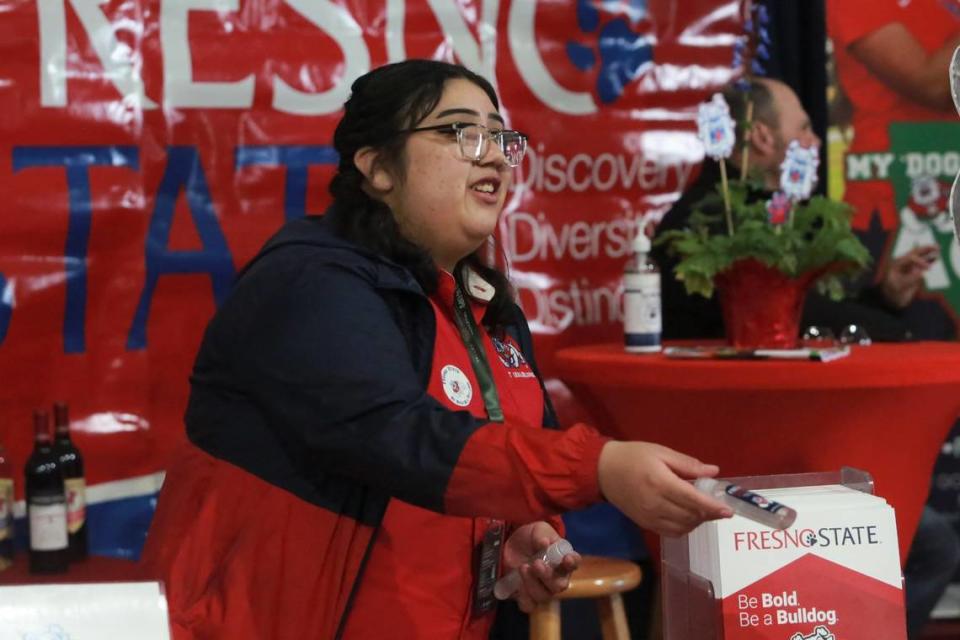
(509, 355)
(456, 385)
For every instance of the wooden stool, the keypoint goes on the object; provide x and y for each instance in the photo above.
(601, 578)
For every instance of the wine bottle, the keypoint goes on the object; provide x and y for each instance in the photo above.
(71, 463)
(46, 502)
(6, 510)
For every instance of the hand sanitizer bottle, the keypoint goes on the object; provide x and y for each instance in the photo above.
(747, 503)
(642, 323)
(552, 556)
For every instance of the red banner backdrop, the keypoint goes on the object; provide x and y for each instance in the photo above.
(149, 148)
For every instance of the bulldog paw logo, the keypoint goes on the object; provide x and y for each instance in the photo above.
(819, 633)
(624, 51)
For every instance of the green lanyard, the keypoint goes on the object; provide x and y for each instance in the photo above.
(481, 368)
(489, 558)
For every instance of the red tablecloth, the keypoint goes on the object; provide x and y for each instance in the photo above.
(885, 409)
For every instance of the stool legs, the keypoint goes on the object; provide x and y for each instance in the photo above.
(545, 621)
(613, 619)
(598, 578)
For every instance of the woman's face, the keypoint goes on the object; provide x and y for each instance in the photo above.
(445, 203)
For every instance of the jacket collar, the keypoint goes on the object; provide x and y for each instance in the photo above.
(477, 287)
(316, 231)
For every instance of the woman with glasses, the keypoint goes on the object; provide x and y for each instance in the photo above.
(366, 422)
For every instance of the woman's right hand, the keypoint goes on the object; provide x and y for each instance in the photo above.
(646, 482)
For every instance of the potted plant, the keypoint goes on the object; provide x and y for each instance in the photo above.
(762, 252)
(765, 261)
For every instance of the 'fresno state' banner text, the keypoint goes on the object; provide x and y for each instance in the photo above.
(149, 148)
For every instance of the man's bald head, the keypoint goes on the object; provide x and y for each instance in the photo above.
(762, 92)
(778, 118)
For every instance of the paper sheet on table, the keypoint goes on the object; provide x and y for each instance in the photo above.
(104, 611)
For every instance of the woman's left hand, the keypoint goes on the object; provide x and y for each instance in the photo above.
(539, 582)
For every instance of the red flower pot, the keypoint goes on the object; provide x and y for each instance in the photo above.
(761, 306)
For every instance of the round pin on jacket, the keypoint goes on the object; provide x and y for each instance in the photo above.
(456, 385)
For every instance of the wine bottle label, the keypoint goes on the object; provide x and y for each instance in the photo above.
(76, 503)
(48, 523)
(642, 322)
(6, 508)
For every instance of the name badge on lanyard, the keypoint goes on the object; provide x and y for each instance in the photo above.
(488, 568)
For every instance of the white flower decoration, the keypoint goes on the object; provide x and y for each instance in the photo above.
(798, 171)
(716, 127)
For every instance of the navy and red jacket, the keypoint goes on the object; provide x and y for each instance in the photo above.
(308, 413)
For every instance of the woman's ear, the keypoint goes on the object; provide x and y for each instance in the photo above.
(367, 160)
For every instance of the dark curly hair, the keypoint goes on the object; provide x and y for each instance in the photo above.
(384, 101)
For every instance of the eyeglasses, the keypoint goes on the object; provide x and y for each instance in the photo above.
(474, 139)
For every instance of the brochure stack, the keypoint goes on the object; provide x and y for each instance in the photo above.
(833, 574)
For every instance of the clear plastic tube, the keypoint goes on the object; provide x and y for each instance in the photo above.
(552, 556)
(747, 503)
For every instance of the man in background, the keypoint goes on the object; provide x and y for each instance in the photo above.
(779, 118)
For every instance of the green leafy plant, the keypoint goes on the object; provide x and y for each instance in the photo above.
(814, 240)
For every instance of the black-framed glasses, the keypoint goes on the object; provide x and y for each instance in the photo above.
(474, 139)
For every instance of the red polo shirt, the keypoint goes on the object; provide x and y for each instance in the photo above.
(875, 106)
